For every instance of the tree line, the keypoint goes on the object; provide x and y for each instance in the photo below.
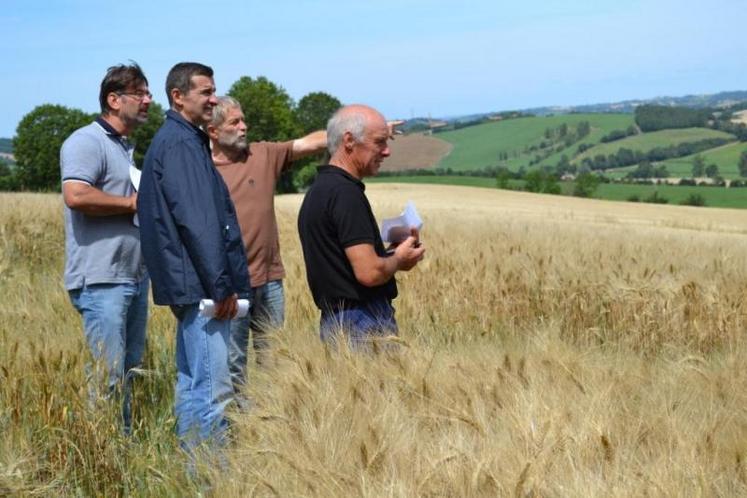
(271, 115)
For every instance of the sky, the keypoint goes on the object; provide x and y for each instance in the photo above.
(407, 58)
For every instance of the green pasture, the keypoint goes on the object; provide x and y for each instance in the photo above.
(725, 157)
(648, 141)
(714, 196)
(476, 147)
(464, 181)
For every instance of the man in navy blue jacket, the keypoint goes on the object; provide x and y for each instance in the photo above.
(192, 246)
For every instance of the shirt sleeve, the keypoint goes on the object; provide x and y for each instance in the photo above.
(279, 156)
(350, 216)
(81, 159)
(187, 187)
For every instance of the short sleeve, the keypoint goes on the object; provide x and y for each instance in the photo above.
(279, 155)
(350, 215)
(81, 159)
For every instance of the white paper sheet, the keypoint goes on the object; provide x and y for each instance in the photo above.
(207, 308)
(135, 177)
(395, 230)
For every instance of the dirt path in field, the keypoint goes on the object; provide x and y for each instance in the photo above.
(416, 151)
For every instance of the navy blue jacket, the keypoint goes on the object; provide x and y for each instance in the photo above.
(189, 233)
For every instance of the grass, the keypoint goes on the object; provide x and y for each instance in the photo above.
(476, 147)
(647, 141)
(714, 196)
(549, 346)
(725, 157)
(464, 181)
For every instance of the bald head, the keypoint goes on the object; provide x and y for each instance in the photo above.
(357, 140)
(353, 119)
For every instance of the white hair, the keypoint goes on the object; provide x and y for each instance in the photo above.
(220, 111)
(345, 120)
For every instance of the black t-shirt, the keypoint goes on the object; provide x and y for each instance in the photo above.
(335, 214)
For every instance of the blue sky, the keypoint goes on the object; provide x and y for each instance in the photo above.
(407, 57)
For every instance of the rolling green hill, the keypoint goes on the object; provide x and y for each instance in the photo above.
(725, 157)
(479, 146)
(648, 141)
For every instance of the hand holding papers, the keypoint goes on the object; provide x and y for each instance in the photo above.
(395, 230)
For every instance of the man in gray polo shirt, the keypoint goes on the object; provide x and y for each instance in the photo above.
(104, 270)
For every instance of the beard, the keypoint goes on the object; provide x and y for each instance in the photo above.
(232, 141)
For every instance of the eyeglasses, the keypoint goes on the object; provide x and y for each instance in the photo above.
(139, 96)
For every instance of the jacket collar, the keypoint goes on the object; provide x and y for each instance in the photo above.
(179, 119)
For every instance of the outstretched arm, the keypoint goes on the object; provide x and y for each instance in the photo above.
(311, 144)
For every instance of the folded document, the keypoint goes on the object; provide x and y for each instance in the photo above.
(395, 230)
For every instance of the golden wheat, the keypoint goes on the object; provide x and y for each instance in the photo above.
(549, 347)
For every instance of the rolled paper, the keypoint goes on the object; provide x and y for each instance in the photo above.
(207, 308)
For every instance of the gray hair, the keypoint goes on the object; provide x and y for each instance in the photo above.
(225, 104)
(345, 119)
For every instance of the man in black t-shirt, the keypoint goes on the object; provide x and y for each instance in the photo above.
(350, 273)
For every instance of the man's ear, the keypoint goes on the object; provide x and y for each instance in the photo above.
(211, 131)
(112, 101)
(348, 141)
(176, 97)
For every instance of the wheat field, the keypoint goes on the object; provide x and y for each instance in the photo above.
(549, 347)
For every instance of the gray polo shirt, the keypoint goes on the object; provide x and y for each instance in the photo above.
(100, 249)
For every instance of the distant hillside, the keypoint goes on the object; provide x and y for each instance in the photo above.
(527, 142)
(716, 100)
(721, 99)
(6, 145)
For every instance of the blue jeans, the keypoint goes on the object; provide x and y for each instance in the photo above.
(359, 324)
(267, 313)
(203, 384)
(114, 319)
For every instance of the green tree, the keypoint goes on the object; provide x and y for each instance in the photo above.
(502, 178)
(37, 143)
(583, 128)
(314, 110)
(698, 166)
(4, 168)
(312, 113)
(541, 181)
(711, 171)
(143, 134)
(585, 185)
(743, 164)
(268, 109)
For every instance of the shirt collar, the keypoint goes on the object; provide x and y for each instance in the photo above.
(109, 129)
(335, 170)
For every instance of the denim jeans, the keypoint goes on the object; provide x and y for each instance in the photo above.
(203, 384)
(267, 313)
(359, 324)
(114, 320)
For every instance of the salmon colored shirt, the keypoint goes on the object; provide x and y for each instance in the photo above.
(251, 183)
